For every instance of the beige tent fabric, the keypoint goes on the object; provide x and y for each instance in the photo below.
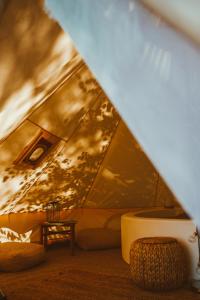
(97, 169)
(63, 111)
(150, 72)
(82, 112)
(96, 163)
(35, 55)
(182, 14)
(127, 178)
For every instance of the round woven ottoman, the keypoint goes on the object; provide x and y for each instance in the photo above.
(158, 263)
(19, 256)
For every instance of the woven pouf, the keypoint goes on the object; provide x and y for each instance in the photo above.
(158, 263)
(19, 256)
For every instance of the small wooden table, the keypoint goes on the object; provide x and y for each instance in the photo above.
(56, 230)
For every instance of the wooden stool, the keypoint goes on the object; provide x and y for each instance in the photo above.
(158, 263)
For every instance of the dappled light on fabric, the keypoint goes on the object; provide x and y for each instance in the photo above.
(127, 178)
(141, 65)
(9, 235)
(29, 68)
(70, 175)
(68, 104)
(17, 180)
(67, 172)
(96, 162)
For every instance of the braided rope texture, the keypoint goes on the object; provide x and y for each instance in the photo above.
(158, 263)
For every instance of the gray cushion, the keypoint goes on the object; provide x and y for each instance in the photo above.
(19, 256)
(98, 238)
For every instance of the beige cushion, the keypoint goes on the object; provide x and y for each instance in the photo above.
(98, 238)
(19, 256)
(114, 222)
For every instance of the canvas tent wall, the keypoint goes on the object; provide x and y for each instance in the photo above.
(96, 162)
(140, 55)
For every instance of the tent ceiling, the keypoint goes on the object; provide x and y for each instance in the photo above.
(35, 56)
(68, 104)
(82, 112)
(96, 163)
(151, 74)
(94, 149)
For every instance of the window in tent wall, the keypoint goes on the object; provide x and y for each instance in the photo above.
(37, 149)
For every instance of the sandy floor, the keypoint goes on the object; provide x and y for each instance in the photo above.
(87, 275)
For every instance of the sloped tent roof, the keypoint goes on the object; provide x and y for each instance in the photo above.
(36, 56)
(141, 56)
(96, 161)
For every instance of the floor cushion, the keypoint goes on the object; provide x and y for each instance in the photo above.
(19, 256)
(98, 238)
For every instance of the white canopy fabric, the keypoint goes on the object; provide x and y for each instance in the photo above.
(151, 73)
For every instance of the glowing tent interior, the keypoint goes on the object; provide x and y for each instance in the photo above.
(63, 138)
(141, 63)
(85, 156)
